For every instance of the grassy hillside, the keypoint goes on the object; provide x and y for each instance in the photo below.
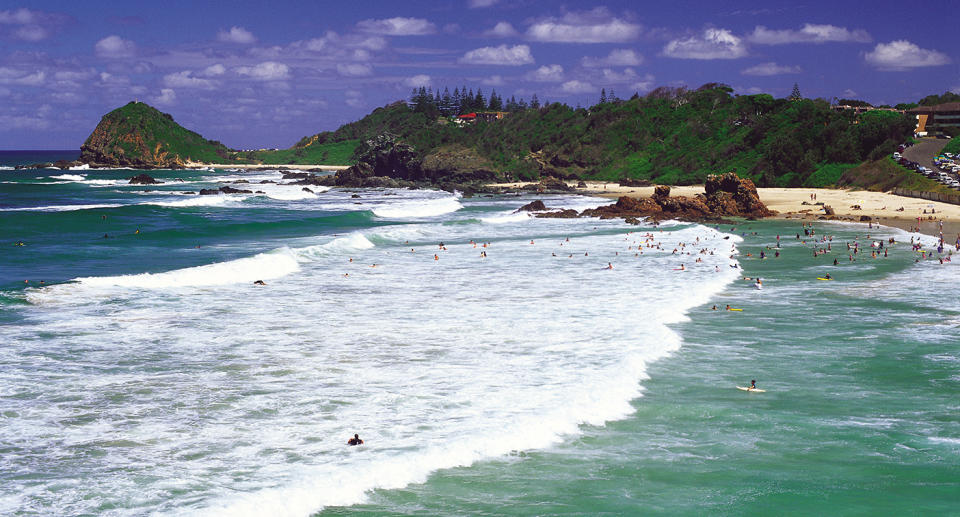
(139, 135)
(884, 174)
(329, 153)
(670, 136)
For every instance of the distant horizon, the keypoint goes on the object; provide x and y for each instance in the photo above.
(266, 75)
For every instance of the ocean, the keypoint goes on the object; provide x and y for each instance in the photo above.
(491, 361)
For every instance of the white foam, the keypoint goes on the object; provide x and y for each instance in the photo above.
(69, 177)
(265, 266)
(508, 217)
(200, 200)
(81, 167)
(60, 208)
(419, 208)
(353, 242)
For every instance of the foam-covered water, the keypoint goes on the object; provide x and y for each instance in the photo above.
(152, 376)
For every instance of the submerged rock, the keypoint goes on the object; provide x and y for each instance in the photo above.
(143, 179)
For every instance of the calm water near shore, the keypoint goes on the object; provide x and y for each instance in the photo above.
(148, 375)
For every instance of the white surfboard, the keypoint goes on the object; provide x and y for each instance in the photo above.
(755, 390)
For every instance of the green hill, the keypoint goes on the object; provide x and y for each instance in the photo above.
(137, 135)
(671, 136)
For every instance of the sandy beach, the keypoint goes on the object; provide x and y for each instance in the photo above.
(881, 207)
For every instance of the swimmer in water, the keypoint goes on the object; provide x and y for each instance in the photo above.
(355, 440)
(259, 282)
(609, 266)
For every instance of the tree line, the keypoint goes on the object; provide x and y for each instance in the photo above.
(462, 101)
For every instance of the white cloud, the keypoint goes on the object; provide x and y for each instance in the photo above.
(501, 55)
(617, 57)
(645, 84)
(577, 86)
(417, 81)
(903, 55)
(594, 26)
(236, 35)
(712, 44)
(31, 25)
(266, 71)
(809, 33)
(21, 77)
(23, 122)
(849, 94)
(354, 99)
(184, 79)
(354, 69)
(611, 76)
(770, 68)
(398, 26)
(166, 97)
(493, 80)
(115, 47)
(476, 4)
(547, 74)
(502, 30)
(31, 33)
(214, 70)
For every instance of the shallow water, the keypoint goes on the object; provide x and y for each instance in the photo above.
(149, 375)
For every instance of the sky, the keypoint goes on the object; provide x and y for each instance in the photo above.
(256, 74)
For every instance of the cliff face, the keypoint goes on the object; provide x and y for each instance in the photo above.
(137, 135)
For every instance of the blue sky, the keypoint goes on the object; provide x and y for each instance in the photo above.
(259, 74)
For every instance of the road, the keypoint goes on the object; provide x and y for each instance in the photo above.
(925, 150)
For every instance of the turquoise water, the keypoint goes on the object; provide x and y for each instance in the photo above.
(148, 375)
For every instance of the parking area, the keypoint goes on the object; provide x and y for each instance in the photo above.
(925, 157)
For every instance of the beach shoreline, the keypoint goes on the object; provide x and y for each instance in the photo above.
(880, 207)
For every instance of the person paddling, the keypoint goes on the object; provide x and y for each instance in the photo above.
(753, 385)
(355, 440)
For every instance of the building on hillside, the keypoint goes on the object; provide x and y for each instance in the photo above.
(861, 109)
(489, 116)
(933, 119)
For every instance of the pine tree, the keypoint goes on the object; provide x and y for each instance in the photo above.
(480, 101)
(795, 94)
(603, 95)
(534, 102)
(612, 97)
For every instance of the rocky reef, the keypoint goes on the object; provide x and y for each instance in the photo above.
(725, 195)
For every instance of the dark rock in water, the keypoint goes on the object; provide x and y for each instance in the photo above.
(259, 192)
(320, 181)
(865, 218)
(294, 175)
(238, 181)
(209, 192)
(230, 190)
(267, 181)
(66, 164)
(379, 182)
(305, 189)
(353, 176)
(355, 196)
(188, 192)
(726, 195)
(581, 184)
(143, 179)
(630, 182)
(567, 213)
(533, 206)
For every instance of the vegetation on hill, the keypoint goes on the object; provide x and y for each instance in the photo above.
(885, 174)
(139, 135)
(671, 135)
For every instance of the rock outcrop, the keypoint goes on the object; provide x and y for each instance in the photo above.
(143, 179)
(458, 164)
(137, 135)
(725, 195)
(533, 206)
